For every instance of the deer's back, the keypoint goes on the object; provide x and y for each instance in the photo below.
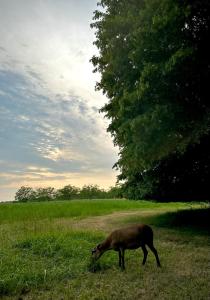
(130, 237)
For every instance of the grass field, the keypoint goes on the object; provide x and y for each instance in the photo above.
(45, 251)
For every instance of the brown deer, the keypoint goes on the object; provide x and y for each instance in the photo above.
(131, 237)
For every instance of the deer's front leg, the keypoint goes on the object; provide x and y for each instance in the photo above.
(123, 259)
(120, 258)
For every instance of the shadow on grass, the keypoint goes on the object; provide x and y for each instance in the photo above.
(195, 220)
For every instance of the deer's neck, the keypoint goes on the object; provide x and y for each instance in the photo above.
(106, 245)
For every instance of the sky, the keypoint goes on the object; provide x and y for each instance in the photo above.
(51, 133)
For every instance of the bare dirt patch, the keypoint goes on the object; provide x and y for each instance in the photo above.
(105, 222)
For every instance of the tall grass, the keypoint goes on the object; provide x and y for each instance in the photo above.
(44, 259)
(15, 212)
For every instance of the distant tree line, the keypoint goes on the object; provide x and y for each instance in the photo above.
(68, 192)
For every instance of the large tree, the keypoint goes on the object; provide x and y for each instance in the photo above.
(154, 64)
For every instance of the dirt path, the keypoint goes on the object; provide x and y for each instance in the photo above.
(106, 222)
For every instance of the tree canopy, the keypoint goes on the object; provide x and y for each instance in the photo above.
(154, 64)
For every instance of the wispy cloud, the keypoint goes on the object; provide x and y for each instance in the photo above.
(50, 129)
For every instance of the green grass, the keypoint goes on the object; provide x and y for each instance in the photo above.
(15, 212)
(45, 259)
(43, 256)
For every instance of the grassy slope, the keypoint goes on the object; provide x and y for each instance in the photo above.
(45, 253)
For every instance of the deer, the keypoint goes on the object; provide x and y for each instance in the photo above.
(132, 237)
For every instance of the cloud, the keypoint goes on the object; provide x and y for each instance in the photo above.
(50, 129)
(51, 40)
(61, 136)
(53, 128)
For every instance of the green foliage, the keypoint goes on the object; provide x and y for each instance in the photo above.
(45, 194)
(154, 64)
(68, 192)
(115, 192)
(92, 192)
(184, 176)
(25, 194)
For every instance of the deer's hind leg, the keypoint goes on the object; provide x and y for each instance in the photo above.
(152, 248)
(145, 254)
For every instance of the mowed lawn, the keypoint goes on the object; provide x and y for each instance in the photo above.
(45, 251)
